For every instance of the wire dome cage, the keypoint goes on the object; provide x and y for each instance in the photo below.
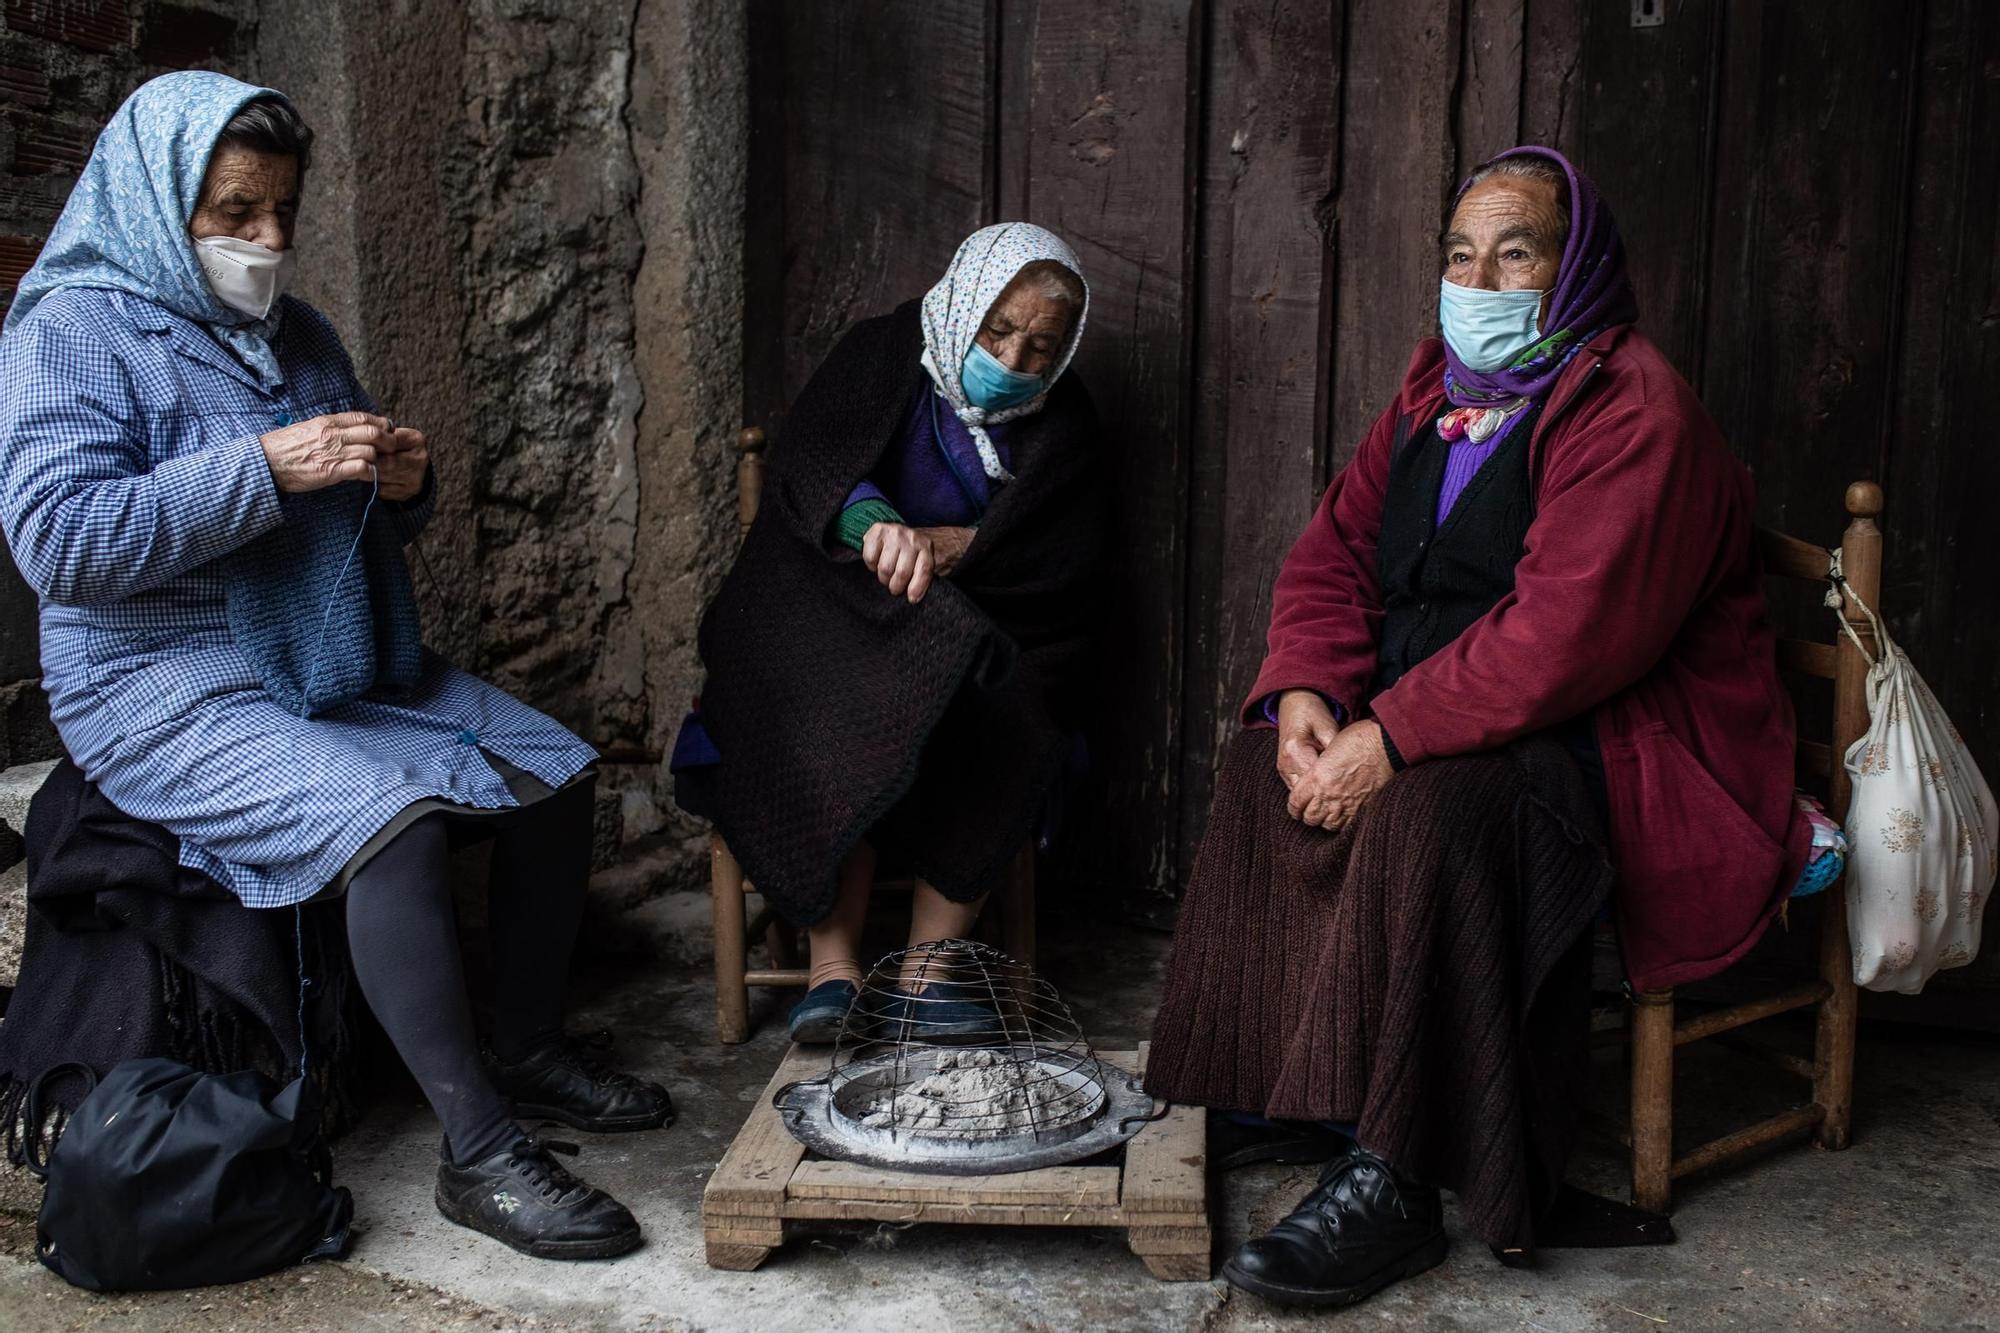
(956, 1058)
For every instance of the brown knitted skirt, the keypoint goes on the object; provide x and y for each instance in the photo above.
(1423, 973)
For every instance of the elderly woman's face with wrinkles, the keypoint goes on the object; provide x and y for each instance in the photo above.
(1505, 235)
(1026, 328)
(249, 195)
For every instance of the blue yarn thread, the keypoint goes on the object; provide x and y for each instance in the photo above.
(326, 620)
(299, 933)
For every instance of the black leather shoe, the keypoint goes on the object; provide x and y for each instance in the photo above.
(1359, 1230)
(523, 1197)
(562, 1081)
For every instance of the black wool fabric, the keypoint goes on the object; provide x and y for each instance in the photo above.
(129, 954)
(1439, 578)
(834, 703)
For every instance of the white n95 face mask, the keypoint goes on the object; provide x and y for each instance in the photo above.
(244, 276)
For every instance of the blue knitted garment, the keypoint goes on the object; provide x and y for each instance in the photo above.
(317, 637)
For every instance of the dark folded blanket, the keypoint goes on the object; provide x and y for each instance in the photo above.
(131, 954)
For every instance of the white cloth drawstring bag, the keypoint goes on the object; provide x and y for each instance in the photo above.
(1921, 828)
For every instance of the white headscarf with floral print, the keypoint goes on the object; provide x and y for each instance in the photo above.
(955, 309)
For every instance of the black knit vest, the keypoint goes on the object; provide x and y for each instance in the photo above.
(1438, 579)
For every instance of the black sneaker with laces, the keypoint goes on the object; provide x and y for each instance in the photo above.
(523, 1197)
(562, 1080)
(1360, 1229)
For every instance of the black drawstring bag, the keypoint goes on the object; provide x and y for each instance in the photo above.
(166, 1177)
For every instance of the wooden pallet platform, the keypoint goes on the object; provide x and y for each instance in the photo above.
(1158, 1192)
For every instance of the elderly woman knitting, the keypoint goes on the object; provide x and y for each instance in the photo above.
(895, 659)
(214, 511)
(1518, 664)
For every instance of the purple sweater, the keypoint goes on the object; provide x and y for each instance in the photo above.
(930, 474)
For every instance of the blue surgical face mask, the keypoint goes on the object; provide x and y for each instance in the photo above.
(991, 386)
(1488, 330)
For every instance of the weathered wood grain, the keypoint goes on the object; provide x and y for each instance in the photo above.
(1271, 138)
(1110, 169)
(1399, 67)
(1647, 137)
(1942, 544)
(888, 124)
(1807, 221)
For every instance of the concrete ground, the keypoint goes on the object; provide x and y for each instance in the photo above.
(1901, 1231)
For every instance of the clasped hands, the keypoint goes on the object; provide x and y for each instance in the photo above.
(1330, 770)
(905, 559)
(344, 446)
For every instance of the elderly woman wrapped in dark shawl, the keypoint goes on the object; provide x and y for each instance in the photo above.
(895, 662)
(1518, 662)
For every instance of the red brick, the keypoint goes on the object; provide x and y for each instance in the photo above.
(93, 25)
(24, 75)
(43, 145)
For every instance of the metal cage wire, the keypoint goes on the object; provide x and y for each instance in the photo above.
(956, 1057)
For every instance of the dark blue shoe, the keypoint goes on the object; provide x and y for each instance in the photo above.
(816, 1019)
(943, 1009)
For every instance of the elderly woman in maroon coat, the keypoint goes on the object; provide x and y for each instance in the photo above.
(1518, 665)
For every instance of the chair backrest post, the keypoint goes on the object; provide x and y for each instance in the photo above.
(749, 477)
(1861, 565)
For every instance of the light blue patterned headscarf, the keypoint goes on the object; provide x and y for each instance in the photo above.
(126, 224)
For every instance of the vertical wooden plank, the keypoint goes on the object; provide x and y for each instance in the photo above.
(1397, 156)
(1938, 587)
(1270, 133)
(1809, 165)
(1490, 83)
(1646, 135)
(888, 159)
(1110, 119)
(1552, 76)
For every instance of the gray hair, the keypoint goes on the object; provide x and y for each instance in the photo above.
(1052, 281)
(269, 125)
(1532, 167)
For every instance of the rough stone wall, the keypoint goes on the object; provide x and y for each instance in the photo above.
(689, 119)
(65, 65)
(525, 219)
(539, 261)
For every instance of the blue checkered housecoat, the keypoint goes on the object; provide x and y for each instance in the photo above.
(129, 466)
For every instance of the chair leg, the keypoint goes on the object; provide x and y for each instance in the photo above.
(1833, 1043)
(1653, 1100)
(732, 995)
(1018, 916)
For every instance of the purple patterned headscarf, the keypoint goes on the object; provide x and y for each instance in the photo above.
(1592, 293)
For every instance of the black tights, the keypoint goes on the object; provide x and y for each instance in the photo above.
(404, 938)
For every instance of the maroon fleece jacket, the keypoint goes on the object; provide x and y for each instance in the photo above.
(1638, 595)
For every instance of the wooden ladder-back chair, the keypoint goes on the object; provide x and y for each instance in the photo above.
(734, 930)
(1654, 1033)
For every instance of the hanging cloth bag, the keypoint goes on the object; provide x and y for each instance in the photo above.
(1922, 827)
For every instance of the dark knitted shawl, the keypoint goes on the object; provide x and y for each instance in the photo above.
(826, 695)
(321, 628)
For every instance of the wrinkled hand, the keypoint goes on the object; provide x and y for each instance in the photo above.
(1306, 726)
(325, 451)
(401, 463)
(1346, 774)
(906, 559)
